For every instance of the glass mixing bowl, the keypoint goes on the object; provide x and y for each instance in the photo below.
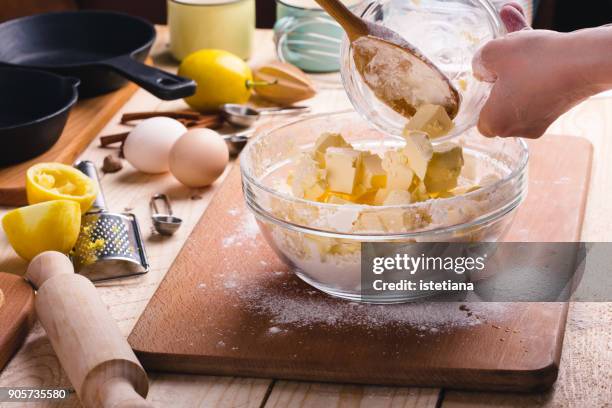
(448, 32)
(321, 242)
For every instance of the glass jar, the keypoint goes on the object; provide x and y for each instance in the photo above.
(307, 37)
(447, 32)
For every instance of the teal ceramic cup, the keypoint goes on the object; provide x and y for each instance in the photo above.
(307, 37)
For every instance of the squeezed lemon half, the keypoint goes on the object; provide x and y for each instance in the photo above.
(56, 181)
(48, 226)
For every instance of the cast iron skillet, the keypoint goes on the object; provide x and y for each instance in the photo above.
(30, 123)
(98, 47)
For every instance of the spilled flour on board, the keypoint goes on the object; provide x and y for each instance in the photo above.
(296, 306)
(288, 303)
(247, 231)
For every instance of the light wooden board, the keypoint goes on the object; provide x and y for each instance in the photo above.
(86, 119)
(313, 395)
(205, 318)
(16, 314)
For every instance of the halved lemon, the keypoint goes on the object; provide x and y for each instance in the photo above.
(49, 226)
(56, 181)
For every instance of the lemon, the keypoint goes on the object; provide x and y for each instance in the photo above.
(221, 76)
(56, 181)
(49, 226)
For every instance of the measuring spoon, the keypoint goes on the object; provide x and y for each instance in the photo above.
(164, 223)
(245, 116)
(236, 141)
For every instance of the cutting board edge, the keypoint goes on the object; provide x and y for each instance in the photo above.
(15, 335)
(13, 197)
(21, 333)
(528, 380)
(211, 363)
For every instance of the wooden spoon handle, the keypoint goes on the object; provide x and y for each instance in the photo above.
(354, 26)
(97, 358)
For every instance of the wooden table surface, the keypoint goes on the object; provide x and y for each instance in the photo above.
(585, 378)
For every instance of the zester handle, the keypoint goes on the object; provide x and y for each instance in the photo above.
(89, 169)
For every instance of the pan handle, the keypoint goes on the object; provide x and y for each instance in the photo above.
(160, 83)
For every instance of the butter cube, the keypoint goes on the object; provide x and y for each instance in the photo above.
(444, 168)
(399, 174)
(317, 246)
(416, 218)
(431, 119)
(359, 196)
(405, 220)
(418, 150)
(366, 198)
(315, 191)
(381, 196)
(338, 198)
(342, 164)
(393, 220)
(457, 191)
(420, 192)
(398, 197)
(369, 221)
(326, 140)
(308, 179)
(345, 247)
(373, 176)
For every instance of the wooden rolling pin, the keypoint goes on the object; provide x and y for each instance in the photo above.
(97, 358)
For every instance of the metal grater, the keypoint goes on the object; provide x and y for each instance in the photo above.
(110, 244)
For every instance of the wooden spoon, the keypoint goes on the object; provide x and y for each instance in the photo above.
(397, 73)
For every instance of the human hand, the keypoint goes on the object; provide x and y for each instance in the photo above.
(535, 77)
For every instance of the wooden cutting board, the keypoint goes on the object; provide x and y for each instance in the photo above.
(86, 119)
(229, 306)
(16, 314)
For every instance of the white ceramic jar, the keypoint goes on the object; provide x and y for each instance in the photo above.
(219, 24)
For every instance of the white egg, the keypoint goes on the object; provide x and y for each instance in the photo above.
(148, 145)
(198, 157)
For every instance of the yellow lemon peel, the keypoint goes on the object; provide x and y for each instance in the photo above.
(57, 181)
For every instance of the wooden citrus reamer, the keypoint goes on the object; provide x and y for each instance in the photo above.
(97, 358)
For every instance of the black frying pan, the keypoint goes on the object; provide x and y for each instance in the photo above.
(98, 47)
(31, 123)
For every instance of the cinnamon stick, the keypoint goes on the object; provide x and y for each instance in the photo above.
(208, 121)
(128, 117)
(111, 139)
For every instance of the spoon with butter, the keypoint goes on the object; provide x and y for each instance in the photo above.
(398, 74)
